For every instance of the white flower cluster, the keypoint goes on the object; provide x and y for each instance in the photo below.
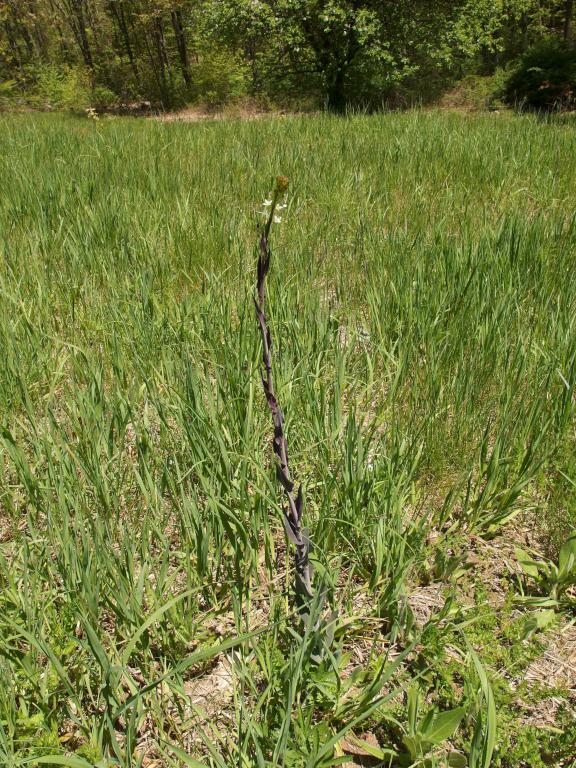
(279, 207)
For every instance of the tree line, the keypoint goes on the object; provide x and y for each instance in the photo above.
(333, 52)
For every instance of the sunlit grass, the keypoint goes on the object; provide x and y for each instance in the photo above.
(424, 292)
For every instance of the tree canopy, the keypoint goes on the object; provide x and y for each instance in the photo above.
(335, 52)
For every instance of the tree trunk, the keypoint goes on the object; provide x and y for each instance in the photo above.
(77, 22)
(118, 14)
(14, 47)
(161, 48)
(39, 34)
(335, 95)
(27, 41)
(178, 26)
(20, 23)
(162, 60)
(568, 14)
(160, 85)
(524, 27)
(63, 43)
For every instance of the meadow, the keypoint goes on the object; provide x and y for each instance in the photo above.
(422, 301)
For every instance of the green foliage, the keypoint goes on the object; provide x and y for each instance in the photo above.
(477, 92)
(142, 551)
(219, 78)
(103, 98)
(431, 730)
(551, 579)
(7, 92)
(545, 78)
(485, 731)
(62, 87)
(561, 499)
(333, 53)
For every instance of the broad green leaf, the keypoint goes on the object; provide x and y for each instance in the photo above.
(369, 749)
(537, 602)
(537, 621)
(65, 760)
(484, 739)
(414, 746)
(413, 696)
(443, 725)
(457, 760)
(528, 565)
(567, 558)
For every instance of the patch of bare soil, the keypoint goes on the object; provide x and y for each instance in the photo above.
(5, 529)
(196, 114)
(495, 566)
(214, 691)
(555, 668)
(427, 601)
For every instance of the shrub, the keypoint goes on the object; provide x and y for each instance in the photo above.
(545, 78)
(477, 92)
(219, 78)
(7, 92)
(62, 87)
(103, 98)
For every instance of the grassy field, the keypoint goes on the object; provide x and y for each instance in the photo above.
(423, 304)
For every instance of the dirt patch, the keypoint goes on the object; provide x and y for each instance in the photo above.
(554, 669)
(557, 665)
(427, 601)
(198, 114)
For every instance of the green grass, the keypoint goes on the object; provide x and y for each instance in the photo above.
(423, 303)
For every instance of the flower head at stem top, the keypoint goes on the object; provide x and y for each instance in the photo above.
(281, 184)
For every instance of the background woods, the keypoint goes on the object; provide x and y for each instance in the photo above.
(105, 53)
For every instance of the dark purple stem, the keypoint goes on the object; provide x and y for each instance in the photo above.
(293, 511)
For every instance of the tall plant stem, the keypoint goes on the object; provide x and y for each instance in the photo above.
(294, 503)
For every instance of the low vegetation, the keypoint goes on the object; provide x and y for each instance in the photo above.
(422, 301)
(545, 78)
